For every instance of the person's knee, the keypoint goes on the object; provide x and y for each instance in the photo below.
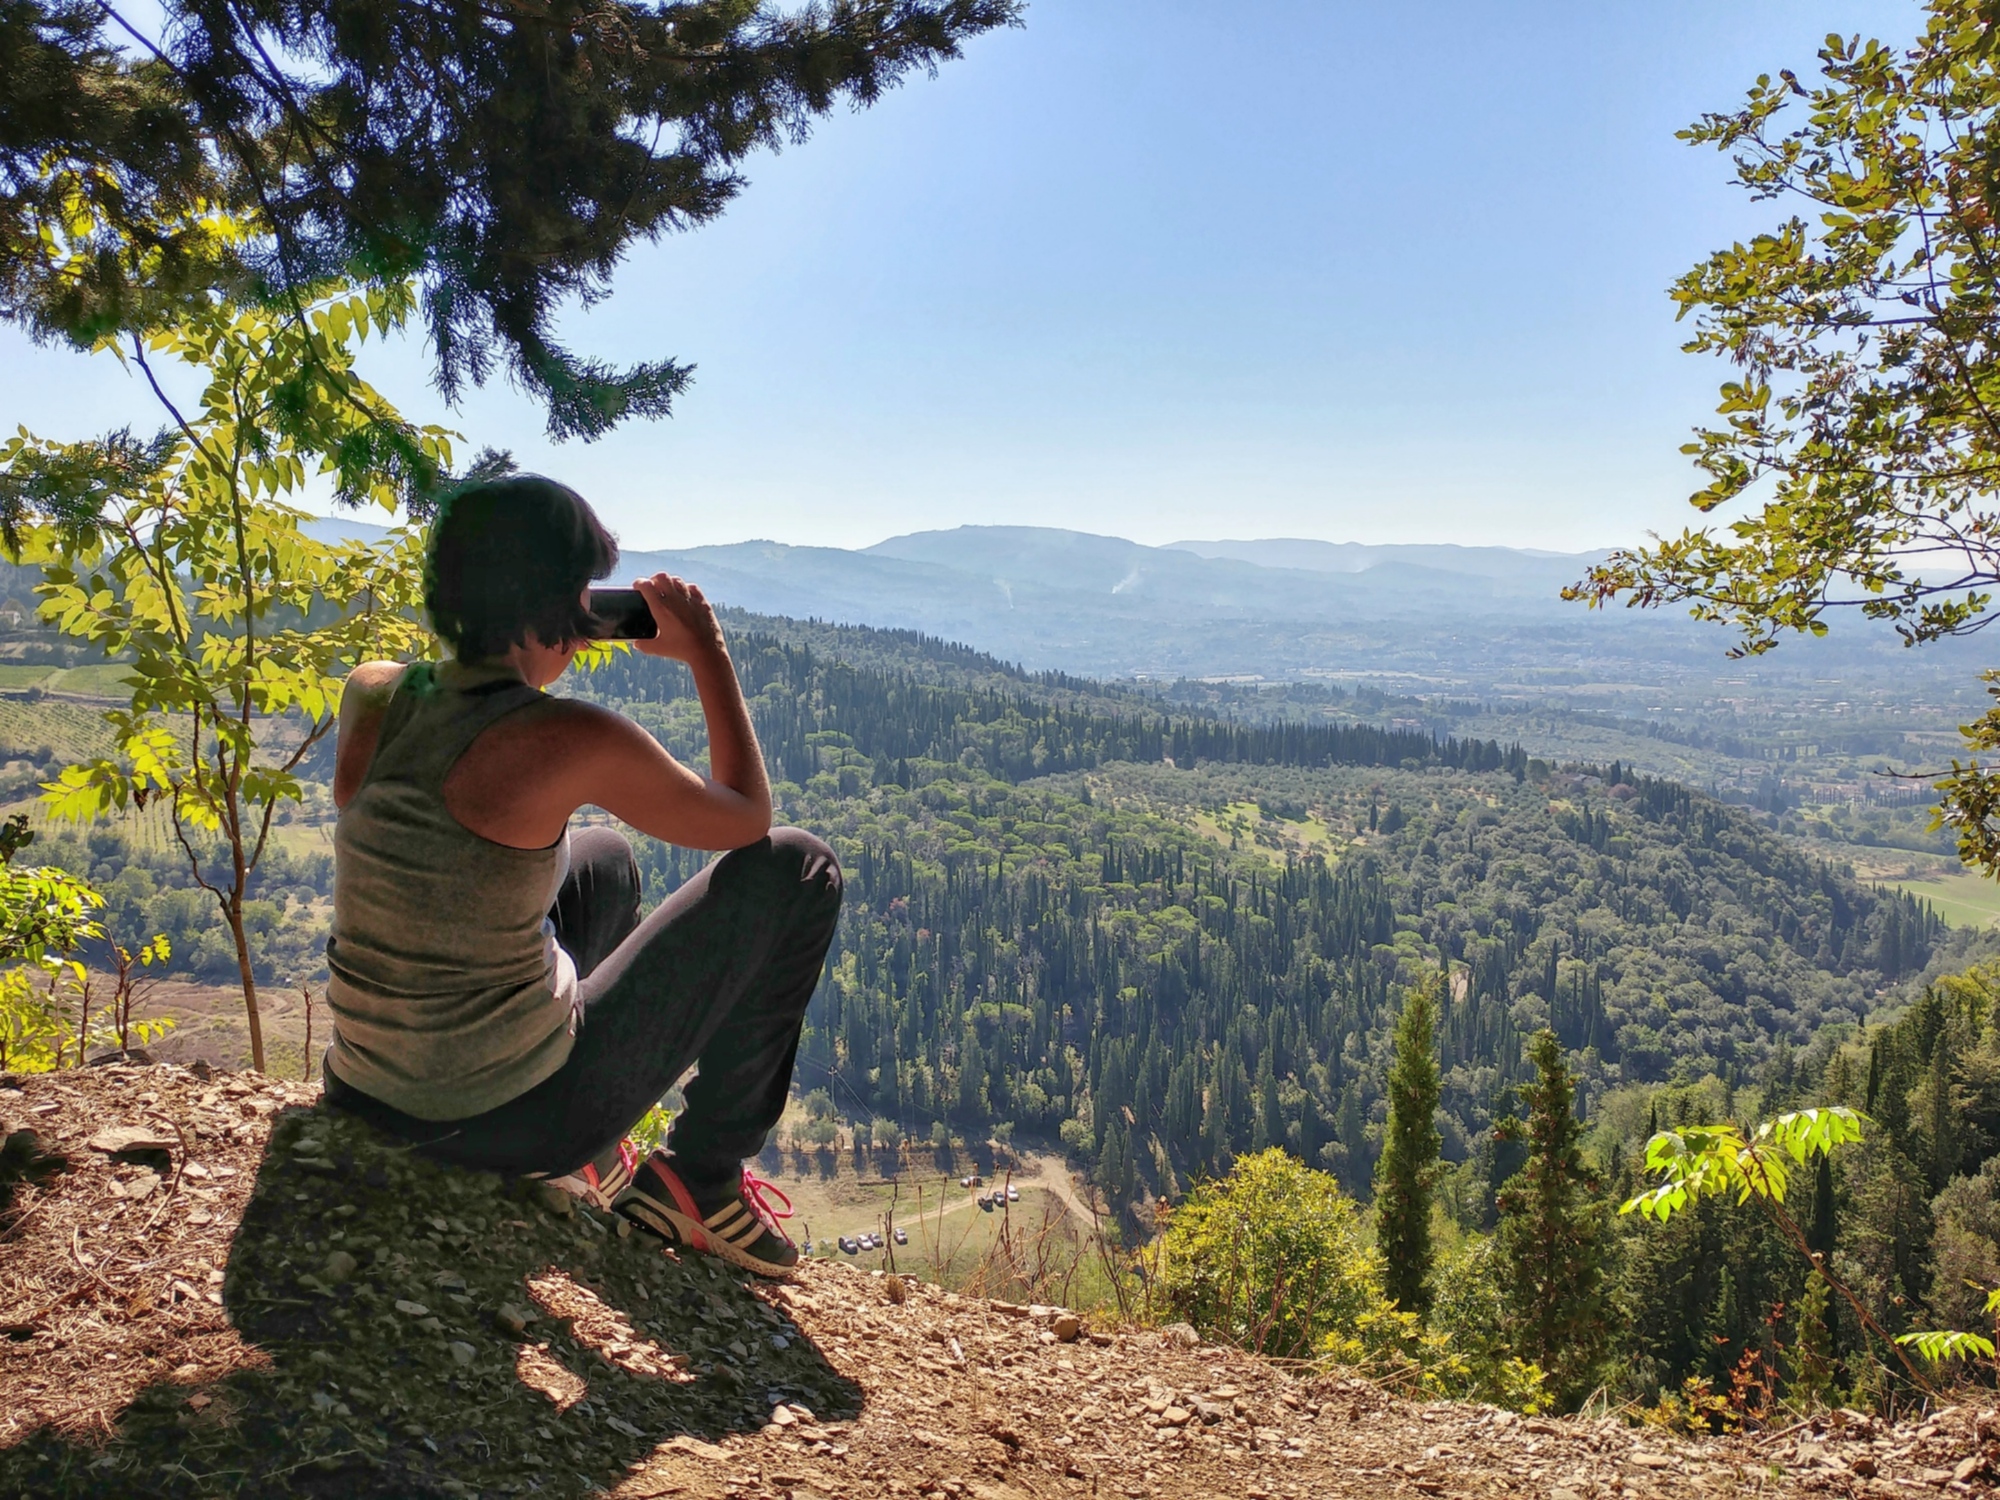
(798, 861)
(606, 854)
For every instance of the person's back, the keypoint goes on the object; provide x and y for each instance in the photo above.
(498, 998)
(449, 991)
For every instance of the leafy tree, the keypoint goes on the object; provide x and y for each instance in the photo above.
(506, 158)
(1551, 1233)
(184, 560)
(1408, 1165)
(1860, 438)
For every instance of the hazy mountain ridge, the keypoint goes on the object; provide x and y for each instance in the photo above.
(1439, 617)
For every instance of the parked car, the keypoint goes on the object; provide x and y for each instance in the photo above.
(902, 1236)
(986, 1202)
(975, 1180)
(848, 1246)
(869, 1242)
(1013, 1193)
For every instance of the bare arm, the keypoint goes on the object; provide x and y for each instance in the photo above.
(735, 761)
(518, 784)
(363, 702)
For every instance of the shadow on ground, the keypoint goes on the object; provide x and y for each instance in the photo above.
(413, 1330)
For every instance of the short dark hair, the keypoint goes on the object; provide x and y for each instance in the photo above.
(509, 556)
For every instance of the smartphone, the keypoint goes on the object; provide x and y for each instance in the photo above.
(623, 615)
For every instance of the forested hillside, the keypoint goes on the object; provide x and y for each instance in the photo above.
(1172, 939)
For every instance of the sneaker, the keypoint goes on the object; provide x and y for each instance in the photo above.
(599, 1182)
(739, 1224)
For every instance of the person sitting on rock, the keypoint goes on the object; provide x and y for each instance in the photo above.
(497, 997)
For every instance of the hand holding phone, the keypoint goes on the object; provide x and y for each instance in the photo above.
(679, 622)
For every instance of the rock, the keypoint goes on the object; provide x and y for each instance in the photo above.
(1968, 1466)
(1212, 1412)
(1181, 1336)
(412, 1309)
(135, 1057)
(512, 1320)
(896, 1289)
(619, 1424)
(319, 1166)
(464, 1353)
(1652, 1460)
(1862, 1466)
(1066, 1327)
(141, 1186)
(338, 1267)
(695, 1448)
(135, 1141)
(781, 1416)
(553, 1199)
(1563, 1492)
(1176, 1416)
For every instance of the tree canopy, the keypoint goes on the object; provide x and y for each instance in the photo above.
(1858, 444)
(504, 157)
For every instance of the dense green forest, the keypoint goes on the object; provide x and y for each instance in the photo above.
(1039, 930)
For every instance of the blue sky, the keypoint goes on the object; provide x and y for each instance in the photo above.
(1162, 270)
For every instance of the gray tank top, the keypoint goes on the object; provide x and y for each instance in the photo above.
(449, 992)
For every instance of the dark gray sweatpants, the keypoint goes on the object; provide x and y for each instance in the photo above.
(718, 974)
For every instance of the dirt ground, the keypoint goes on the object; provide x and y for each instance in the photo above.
(248, 1296)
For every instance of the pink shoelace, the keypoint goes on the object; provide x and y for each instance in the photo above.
(758, 1194)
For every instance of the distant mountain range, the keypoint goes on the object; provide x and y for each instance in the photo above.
(1445, 615)
(1098, 604)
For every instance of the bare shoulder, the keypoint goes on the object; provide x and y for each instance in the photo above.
(579, 721)
(373, 683)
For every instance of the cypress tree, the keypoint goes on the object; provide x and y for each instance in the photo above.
(1551, 1235)
(1408, 1166)
(1820, 1321)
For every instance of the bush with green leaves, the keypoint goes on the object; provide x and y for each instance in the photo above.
(45, 914)
(1273, 1258)
(1469, 1313)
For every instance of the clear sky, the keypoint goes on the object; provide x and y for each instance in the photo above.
(1162, 269)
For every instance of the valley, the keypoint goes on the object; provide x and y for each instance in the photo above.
(1122, 934)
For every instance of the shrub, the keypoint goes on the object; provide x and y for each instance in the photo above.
(1272, 1258)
